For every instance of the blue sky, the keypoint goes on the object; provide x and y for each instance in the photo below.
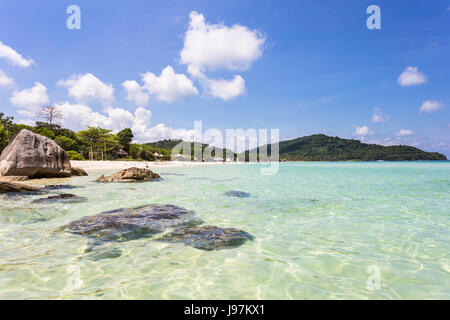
(303, 67)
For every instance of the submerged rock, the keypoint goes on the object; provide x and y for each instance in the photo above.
(64, 197)
(59, 187)
(208, 237)
(11, 187)
(101, 252)
(238, 194)
(78, 172)
(130, 224)
(130, 175)
(34, 156)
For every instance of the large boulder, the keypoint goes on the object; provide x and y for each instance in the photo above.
(9, 187)
(34, 156)
(130, 175)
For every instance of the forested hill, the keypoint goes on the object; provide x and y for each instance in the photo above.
(208, 151)
(320, 147)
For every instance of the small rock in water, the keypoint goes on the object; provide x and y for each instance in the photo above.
(130, 224)
(58, 187)
(238, 194)
(64, 197)
(130, 175)
(208, 237)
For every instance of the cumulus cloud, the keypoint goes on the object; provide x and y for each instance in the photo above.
(86, 87)
(135, 93)
(404, 132)
(411, 76)
(209, 47)
(169, 86)
(379, 116)
(226, 89)
(13, 57)
(431, 106)
(5, 81)
(362, 131)
(29, 101)
(215, 46)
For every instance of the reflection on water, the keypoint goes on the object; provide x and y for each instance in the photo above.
(318, 229)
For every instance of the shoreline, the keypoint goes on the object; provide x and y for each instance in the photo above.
(119, 165)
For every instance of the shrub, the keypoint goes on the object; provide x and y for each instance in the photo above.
(74, 155)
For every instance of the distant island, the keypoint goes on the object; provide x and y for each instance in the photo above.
(320, 147)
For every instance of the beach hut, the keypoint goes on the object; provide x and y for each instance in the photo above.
(121, 153)
(179, 157)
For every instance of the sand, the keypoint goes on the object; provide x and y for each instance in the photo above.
(119, 165)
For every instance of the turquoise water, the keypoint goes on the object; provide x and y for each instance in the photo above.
(320, 230)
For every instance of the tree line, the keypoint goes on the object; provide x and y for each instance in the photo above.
(93, 143)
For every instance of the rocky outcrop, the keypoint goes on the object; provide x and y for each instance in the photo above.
(130, 175)
(78, 172)
(9, 187)
(34, 156)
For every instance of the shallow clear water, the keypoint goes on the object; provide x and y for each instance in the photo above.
(321, 229)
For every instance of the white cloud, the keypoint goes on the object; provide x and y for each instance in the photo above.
(88, 87)
(226, 89)
(363, 131)
(404, 132)
(209, 47)
(30, 100)
(79, 116)
(411, 76)
(379, 116)
(135, 93)
(27, 122)
(216, 46)
(5, 81)
(13, 57)
(169, 86)
(431, 106)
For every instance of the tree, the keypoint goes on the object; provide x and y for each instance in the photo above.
(66, 143)
(3, 137)
(50, 114)
(125, 137)
(46, 133)
(99, 139)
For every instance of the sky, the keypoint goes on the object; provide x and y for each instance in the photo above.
(302, 67)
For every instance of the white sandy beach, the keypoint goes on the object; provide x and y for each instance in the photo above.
(119, 165)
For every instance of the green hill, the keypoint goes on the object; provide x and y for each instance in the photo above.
(320, 147)
(207, 150)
